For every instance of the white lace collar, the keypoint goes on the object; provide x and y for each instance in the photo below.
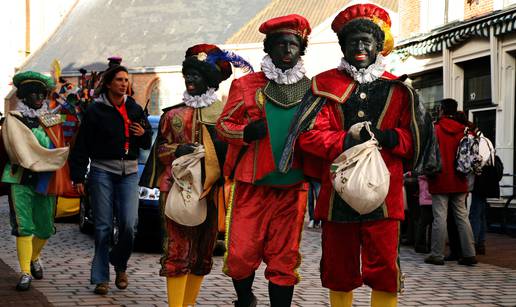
(26, 111)
(364, 75)
(200, 101)
(289, 76)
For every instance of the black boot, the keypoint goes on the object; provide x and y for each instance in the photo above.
(244, 290)
(280, 296)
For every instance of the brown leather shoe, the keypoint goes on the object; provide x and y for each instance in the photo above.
(102, 288)
(121, 281)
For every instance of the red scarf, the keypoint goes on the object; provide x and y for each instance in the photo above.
(127, 122)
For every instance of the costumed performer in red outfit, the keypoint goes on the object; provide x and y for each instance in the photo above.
(358, 249)
(265, 217)
(187, 254)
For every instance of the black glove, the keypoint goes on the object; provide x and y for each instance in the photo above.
(184, 149)
(255, 130)
(387, 138)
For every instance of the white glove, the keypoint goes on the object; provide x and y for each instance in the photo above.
(355, 130)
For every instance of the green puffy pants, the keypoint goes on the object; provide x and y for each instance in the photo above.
(31, 213)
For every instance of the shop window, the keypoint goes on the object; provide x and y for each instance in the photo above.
(429, 87)
(477, 83)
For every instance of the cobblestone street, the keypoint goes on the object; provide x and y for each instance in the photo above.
(68, 255)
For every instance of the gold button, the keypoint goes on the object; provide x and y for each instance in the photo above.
(363, 95)
(361, 113)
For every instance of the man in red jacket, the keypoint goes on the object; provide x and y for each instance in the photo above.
(449, 188)
(358, 249)
(267, 210)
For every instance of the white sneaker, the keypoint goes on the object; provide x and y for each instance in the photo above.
(311, 224)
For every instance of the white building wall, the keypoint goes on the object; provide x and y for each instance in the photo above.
(45, 16)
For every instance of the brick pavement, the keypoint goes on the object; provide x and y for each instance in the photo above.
(68, 256)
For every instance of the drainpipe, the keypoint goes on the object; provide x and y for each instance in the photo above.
(27, 27)
(445, 11)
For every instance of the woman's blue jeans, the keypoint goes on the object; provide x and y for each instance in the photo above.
(477, 218)
(112, 194)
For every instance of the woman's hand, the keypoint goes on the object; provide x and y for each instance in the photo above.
(80, 189)
(136, 129)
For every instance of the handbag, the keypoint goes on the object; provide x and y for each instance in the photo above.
(360, 176)
(184, 204)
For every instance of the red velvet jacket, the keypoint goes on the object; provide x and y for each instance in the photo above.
(448, 132)
(324, 142)
(245, 104)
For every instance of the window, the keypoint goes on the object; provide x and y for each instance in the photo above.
(153, 106)
(485, 120)
(429, 87)
(436, 13)
(477, 83)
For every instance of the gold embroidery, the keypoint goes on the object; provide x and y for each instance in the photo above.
(341, 99)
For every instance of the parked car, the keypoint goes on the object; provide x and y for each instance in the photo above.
(149, 221)
(67, 207)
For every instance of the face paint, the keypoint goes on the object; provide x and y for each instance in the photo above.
(360, 49)
(195, 82)
(35, 100)
(285, 51)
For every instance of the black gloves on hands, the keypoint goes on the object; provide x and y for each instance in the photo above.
(184, 149)
(387, 138)
(255, 130)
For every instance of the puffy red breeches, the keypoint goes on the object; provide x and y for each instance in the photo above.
(265, 223)
(361, 253)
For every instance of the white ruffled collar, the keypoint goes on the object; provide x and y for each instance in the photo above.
(364, 75)
(26, 111)
(289, 76)
(200, 101)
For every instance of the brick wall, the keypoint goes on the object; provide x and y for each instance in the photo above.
(477, 9)
(409, 11)
(141, 86)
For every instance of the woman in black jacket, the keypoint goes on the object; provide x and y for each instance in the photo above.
(113, 130)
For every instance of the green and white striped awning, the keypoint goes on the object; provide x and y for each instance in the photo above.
(455, 34)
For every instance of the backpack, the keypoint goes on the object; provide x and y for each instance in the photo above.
(468, 159)
(486, 150)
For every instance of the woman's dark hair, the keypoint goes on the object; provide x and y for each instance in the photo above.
(270, 40)
(212, 76)
(31, 87)
(109, 75)
(361, 25)
(449, 106)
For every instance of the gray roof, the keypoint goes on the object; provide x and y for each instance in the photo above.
(146, 33)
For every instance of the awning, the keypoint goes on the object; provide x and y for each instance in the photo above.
(456, 33)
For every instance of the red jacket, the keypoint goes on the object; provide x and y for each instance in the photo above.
(448, 132)
(245, 105)
(324, 141)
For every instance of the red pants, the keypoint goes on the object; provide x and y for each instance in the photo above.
(188, 249)
(265, 224)
(374, 244)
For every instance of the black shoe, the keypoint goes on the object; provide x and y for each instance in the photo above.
(252, 303)
(468, 261)
(24, 282)
(36, 270)
(434, 260)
